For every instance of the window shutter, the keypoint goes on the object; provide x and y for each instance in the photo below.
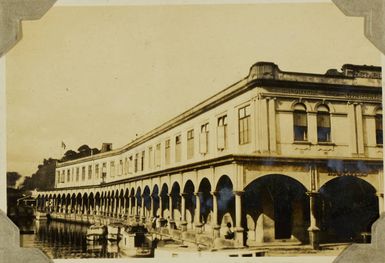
(221, 137)
(203, 143)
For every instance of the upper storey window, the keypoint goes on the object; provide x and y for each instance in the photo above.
(300, 123)
(83, 173)
(323, 124)
(112, 169)
(68, 175)
(244, 124)
(222, 132)
(204, 139)
(89, 171)
(77, 173)
(97, 171)
(167, 151)
(178, 148)
(379, 139)
(157, 155)
(104, 171)
(190, 144)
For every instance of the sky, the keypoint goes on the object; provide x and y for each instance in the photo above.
(88, 75)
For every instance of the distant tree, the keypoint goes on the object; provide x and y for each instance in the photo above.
(43, 178)
(69, 155)
(12, 178)
(84, 150)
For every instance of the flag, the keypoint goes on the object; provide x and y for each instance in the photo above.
(63, 145)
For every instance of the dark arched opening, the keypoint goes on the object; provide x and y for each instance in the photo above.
(348, 206)
(276, 207)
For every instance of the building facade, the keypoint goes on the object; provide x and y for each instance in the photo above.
(279, 155)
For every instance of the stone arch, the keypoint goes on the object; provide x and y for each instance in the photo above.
(85, 206)
(155, 196)
(163, 195)
(347, 207)
(328, 104)
(226, 201)
(175, 208)
(91, 203)
(305, 103)
(206, 201)
(361, 170)
(147, 200)
(78, 202)
(275, 207)
(98, 198)
(188, 191)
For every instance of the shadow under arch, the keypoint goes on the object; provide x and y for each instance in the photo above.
(275, 207)
(206, 200)
(347, 207)
(226, 201)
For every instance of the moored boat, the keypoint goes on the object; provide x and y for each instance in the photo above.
(114, 231)
(96, 232)
(136, 241)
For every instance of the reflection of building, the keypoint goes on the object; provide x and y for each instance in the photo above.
(280, 155)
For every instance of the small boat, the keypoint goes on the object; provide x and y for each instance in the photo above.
(136, 241)
(114, 231)
(96, 232)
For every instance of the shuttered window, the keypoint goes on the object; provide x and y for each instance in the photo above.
(178, 148)
(244, 124)
(379, 139)
(222, 133)
(300, 123)
(203, 139)
(190, 144)
(323, 124)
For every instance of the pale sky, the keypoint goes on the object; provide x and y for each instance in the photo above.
(87, 75)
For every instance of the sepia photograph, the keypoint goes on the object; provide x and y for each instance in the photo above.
(194, 130)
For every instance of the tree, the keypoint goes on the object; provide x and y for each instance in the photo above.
(69, 155)
(12, 178)
(43, 178)
(84, 150)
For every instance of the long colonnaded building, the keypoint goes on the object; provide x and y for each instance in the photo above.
(279, 155)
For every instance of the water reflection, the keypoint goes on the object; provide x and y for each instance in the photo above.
(66, 240)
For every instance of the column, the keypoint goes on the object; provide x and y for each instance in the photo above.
(124, 206)
(238, 216)
(360, 129)
(151, 206)
(94, 209)
(117, 207)
(272, 132)
(352, 128)
(198, 223)
(88, 208)
(160, 207)
(380, 202)
(313, 229)
(171, 223)
(102, 205)
(264, 144)
(216, 227)
(136, 206)
(142, 210)
(183, 212)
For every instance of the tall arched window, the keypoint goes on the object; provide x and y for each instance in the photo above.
(379, 126)
(300, 123)
(323, 124)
